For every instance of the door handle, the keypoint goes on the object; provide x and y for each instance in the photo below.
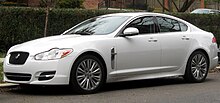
(152, 40)
(185, 38)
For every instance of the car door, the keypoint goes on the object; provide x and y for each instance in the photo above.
(175, 43)
(139, 54)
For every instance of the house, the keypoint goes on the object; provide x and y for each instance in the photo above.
(92, 4)
(95, 4)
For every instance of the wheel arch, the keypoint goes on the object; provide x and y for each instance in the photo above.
(203, 51)
(96, 55)
(188, 76)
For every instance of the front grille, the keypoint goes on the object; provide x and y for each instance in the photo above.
(18, 58)
(18, 76)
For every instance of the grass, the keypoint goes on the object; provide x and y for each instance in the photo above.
(1, 72)
(2, 55)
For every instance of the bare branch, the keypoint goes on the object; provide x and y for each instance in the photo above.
(184, 4)
(162, 5)
(188, 4)
(175, 5)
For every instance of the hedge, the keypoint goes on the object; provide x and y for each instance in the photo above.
(19, 25)
(207, 22)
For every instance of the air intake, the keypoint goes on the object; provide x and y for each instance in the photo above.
(46, 75)
(18, 76)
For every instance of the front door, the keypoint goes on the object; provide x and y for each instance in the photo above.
(139, 54)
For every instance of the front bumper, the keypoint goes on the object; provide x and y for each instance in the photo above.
(59, 71)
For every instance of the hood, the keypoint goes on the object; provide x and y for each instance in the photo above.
(46, 43)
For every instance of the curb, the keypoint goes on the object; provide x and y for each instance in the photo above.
(7, 85)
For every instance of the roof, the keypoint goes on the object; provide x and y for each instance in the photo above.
(134, 14)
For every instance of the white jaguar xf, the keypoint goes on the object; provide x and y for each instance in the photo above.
(112, 48)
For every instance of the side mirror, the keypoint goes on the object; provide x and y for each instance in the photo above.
(130, 31)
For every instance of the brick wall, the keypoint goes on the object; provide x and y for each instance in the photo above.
(33, 3)
(91, 4)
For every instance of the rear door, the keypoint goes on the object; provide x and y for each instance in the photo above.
(175, 43)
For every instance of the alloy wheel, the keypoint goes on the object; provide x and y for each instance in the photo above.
(199, 66)
(88, 74)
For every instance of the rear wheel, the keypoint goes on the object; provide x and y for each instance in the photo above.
(87, 75)
(197, 67)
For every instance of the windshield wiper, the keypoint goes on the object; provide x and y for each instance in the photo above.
(82, 33)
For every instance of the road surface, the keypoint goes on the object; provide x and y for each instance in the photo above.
(165, 90)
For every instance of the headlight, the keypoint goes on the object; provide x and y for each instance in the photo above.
(52, 54)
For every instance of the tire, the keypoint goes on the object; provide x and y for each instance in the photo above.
(87, 75)
(197, 67)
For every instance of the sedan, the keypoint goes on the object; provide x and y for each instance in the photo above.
(113, 48)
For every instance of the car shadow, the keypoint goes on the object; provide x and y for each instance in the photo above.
(110, 87)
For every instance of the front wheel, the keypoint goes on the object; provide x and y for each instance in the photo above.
(87, 75)
(197, 67)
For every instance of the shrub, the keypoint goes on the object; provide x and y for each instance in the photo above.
(70, 3)
(1, 72)
(19, 25)
(207, 22)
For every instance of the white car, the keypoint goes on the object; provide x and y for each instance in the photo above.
(112, 48)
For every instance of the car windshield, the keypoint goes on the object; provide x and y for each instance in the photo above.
(98, 25)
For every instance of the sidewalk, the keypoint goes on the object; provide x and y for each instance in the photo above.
(7, 85)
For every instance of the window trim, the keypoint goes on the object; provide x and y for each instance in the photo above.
(135, 18)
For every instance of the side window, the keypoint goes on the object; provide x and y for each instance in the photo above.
(170, 25)
(183, 27)
(145, 25)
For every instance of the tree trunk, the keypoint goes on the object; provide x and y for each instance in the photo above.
(46, 21)
(170, 6)
(218, 4)
(133, 5)
(163, 5)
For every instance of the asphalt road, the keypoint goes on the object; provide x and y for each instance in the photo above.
(166, 90)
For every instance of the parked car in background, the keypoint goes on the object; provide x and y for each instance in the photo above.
(205, 11)
(112, 48)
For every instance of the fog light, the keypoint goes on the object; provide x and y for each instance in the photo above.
(46, 75)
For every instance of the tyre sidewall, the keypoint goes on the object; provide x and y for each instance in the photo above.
(73, 81)
(189, 75)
